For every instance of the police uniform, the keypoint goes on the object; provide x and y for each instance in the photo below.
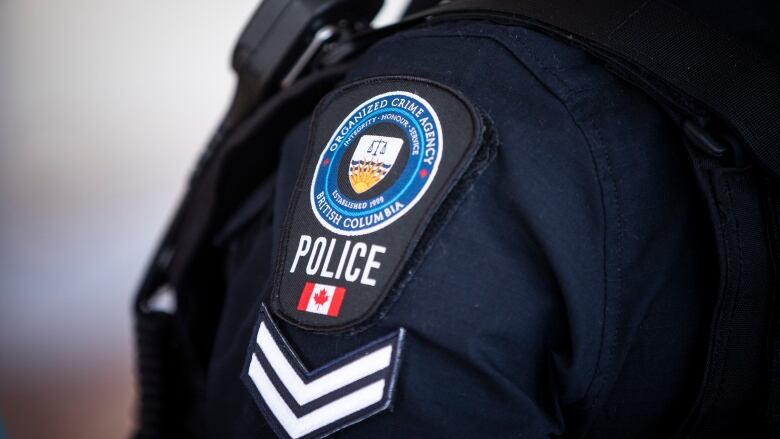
(558, 282)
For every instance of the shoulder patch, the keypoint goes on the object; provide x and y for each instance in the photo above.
(383, 155)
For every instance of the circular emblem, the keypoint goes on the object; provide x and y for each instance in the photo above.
(377, 164)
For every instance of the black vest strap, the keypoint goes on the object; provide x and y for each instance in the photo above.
(733, 391)
(773, 412)
(696, 68)
(726, 100)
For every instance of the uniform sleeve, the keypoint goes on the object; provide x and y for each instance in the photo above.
(574, 274)
(506, 312)
(562, 293)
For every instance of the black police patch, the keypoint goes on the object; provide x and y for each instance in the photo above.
(383, 155)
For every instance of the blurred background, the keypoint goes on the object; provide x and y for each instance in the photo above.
(104, 107)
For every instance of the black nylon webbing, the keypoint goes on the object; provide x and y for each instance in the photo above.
(773, 406)
(733, 391)
(699, 69)
(726, 92)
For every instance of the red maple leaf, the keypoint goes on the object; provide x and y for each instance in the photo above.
(321, 297)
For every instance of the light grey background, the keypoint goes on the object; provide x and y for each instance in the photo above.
(104, 106)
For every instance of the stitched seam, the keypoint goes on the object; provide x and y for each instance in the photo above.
(610, 352)
(603, 350)
(565, 103)
(597, 368)
(737, 282)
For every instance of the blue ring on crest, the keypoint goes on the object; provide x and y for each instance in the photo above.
(344, 215)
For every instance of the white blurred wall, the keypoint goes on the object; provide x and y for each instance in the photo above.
(104, 106)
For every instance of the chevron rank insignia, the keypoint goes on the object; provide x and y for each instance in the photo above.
(298, 403)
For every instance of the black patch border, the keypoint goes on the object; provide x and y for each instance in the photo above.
(475, 145)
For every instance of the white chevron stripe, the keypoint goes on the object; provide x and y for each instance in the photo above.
(304, 393)
(329, 413)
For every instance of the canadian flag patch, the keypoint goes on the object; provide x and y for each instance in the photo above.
(321, 299)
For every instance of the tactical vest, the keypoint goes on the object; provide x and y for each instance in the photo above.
(724, 98)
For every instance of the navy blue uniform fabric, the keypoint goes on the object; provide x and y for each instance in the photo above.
(568, 294)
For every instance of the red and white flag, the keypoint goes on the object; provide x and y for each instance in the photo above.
(321, 299)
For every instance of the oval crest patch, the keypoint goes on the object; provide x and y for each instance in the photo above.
(377, 164)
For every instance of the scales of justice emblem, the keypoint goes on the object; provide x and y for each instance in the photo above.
(373, 158)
